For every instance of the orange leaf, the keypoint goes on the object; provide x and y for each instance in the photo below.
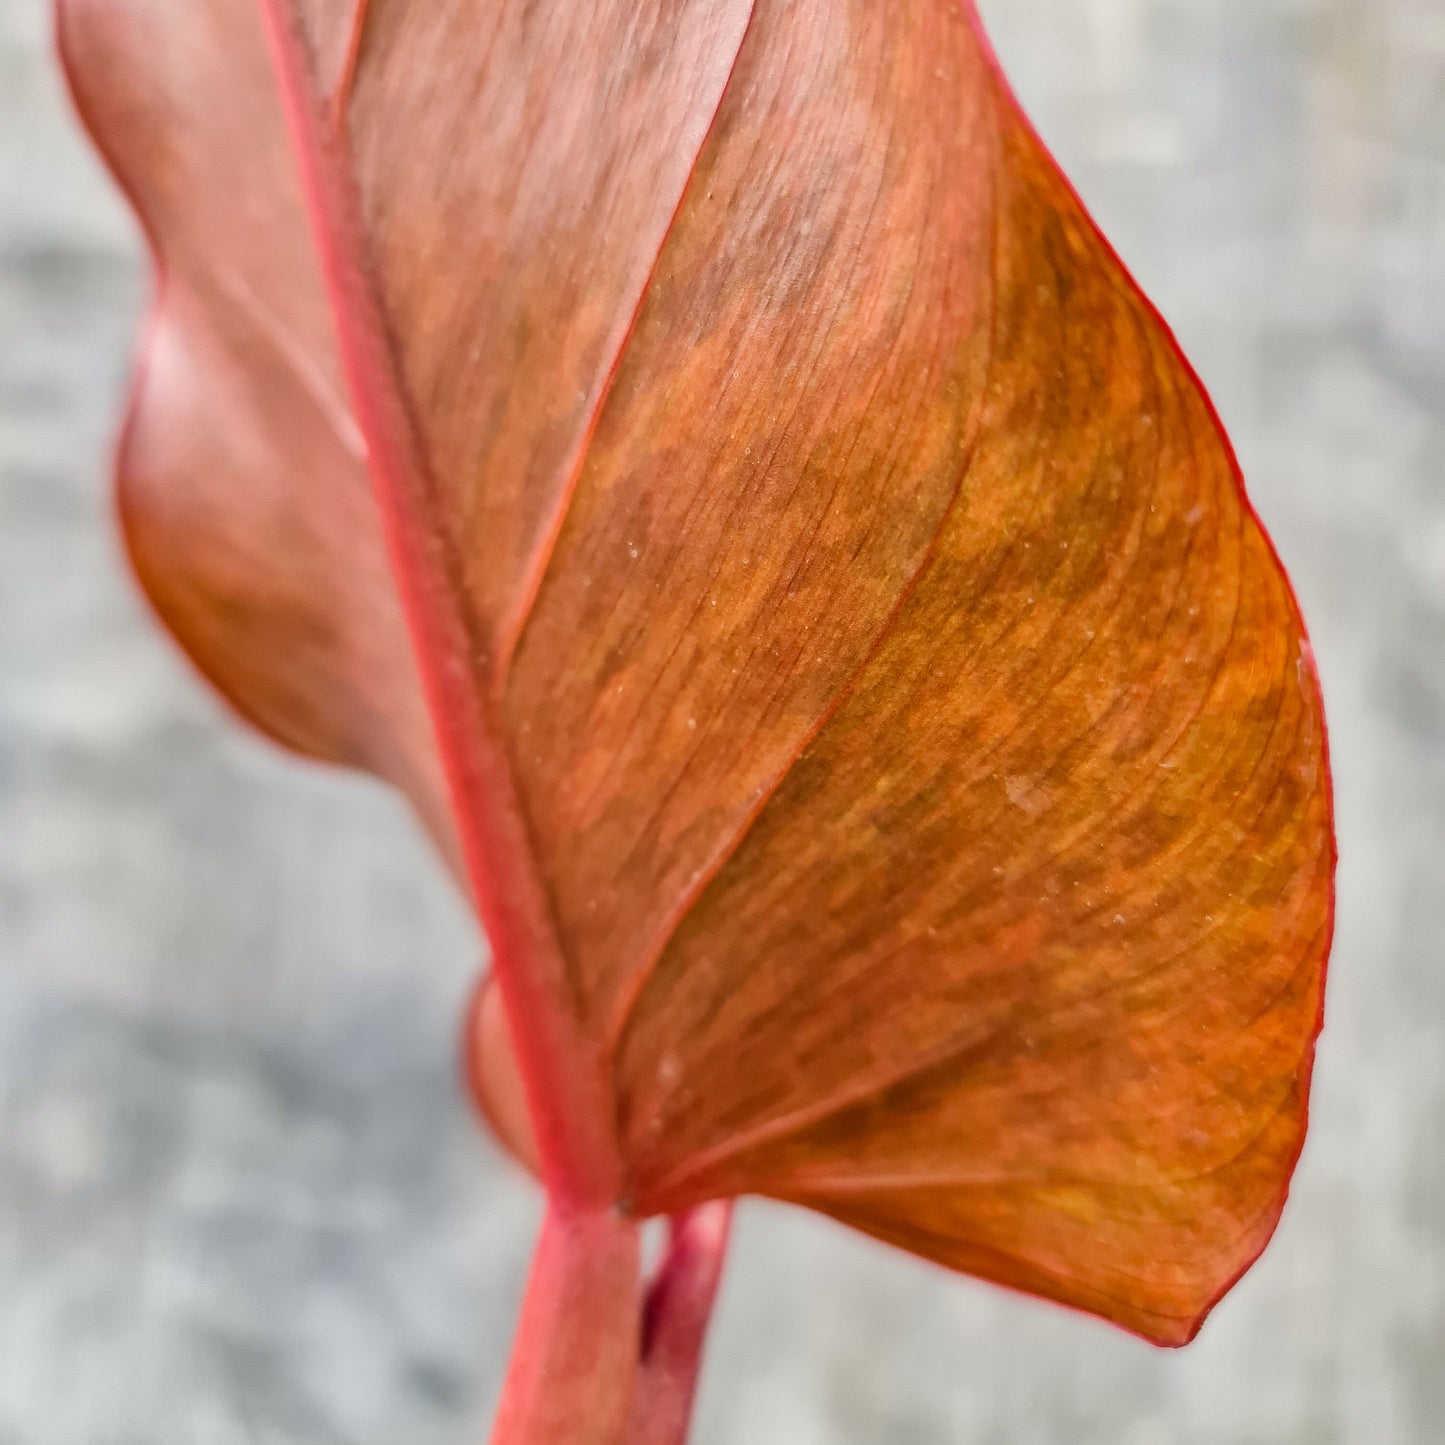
(885, 745)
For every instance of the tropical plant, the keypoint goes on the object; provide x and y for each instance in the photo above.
(811, 603)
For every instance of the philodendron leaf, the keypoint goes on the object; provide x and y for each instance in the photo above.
(885, 744)
(241, 474)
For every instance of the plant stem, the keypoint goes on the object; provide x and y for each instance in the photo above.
(674, 1326)
(594, 1363)
(574, 1361)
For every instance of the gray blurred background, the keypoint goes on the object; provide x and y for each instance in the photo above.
(240, 1200)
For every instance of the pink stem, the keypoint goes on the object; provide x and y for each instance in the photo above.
(570, 1380)
(674, 1326)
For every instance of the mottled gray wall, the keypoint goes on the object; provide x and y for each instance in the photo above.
(239, 1201)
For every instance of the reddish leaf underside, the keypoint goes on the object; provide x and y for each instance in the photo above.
(242, 480)
(917, 763)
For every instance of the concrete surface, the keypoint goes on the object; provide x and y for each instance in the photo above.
(239, 1201)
